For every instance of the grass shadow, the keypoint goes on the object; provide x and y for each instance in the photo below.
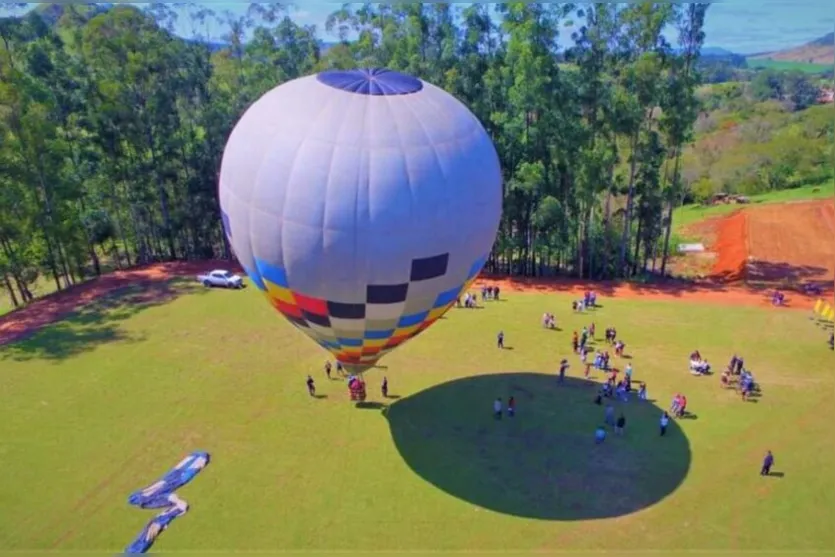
(371, 405)
(776, 474)
(543, 463)
(98, 322)
(320, 397)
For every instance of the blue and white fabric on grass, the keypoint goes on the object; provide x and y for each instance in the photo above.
(160, 495)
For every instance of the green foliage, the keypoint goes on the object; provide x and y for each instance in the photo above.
(751, 147)
(113, 128)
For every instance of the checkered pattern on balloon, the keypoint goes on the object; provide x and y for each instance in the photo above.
(360, 334)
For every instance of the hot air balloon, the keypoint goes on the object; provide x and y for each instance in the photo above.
(362, 203)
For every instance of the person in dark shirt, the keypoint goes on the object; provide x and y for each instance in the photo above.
(620, 424)
(832, 341)
(768, 462)
(511, 407)
(563, 369)
(328, 369)
(311, 386)
(500, 339)
(385, 387)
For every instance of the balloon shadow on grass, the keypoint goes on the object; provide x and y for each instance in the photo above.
(543, 463)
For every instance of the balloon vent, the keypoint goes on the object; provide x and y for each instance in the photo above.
(378, 82)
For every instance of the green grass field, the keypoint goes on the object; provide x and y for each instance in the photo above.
(690, 214)
(783, 65)
(100, 405)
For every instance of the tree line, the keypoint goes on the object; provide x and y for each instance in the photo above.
(112, 128)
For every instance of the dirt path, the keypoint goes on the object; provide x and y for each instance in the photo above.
(787, 244)
(24, 322)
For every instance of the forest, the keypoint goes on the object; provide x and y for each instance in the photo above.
(112, 127)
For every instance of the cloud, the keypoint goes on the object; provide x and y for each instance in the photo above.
(302, 15)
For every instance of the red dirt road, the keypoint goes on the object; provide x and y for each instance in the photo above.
(22, 323)
(788, 244)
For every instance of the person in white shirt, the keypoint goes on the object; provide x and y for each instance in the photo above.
(665, 421)
(497, 408)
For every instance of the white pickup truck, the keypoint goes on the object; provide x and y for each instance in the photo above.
(221, 278)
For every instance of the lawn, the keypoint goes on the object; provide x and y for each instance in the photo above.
(104, 403)
(786, 65)
(689, 214)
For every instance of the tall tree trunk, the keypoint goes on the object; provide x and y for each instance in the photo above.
(10, 289)
(630, 201)
(668, 221)
(636, 254)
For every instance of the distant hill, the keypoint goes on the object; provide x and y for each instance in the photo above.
(716, 51)
(819, 51)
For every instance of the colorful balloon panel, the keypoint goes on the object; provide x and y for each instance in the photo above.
(362, 203)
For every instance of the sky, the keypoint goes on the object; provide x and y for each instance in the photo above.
(742, 26)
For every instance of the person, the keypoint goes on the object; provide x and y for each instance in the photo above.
(328, 368)
(642, 391)
(500, 339)
(768, 462)
(575, 342)
(682, 406)
(628, 372)
(511, 407)
(675, 404)
(832, 341)
(747, 387)
(339, 369)
(563, 369)
(497, 408)
(665, 421)
(311, 386)
(495, 292)
(385, 387)
(599, 435)
(591, 330)
(620, 424)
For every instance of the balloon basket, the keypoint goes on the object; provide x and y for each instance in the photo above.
(356, 387)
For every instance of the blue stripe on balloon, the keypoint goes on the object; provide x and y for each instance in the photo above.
(275, 275)
(255, 277)
(414, 319)
(350, 341)
(379, 335)
(474, 270)
(446, 298)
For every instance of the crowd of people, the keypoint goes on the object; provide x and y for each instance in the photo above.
(617, 387)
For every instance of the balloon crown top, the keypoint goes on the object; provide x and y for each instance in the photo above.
(371, 81)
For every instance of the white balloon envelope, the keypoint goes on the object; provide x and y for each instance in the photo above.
(363, 203)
